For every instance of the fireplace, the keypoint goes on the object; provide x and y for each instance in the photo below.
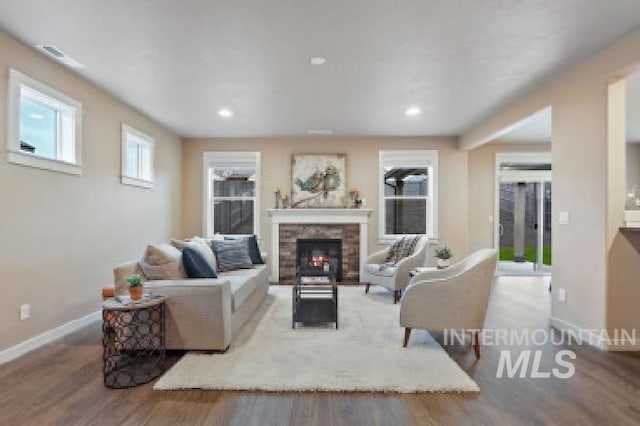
(315, 255)
(350, 226)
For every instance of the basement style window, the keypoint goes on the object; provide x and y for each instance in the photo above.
(232, 188)
(45, 126)
(408, 193)
(137, 158)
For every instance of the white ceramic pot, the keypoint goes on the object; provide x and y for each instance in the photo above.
(443, 263)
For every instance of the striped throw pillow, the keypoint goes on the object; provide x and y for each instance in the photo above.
(232, 255)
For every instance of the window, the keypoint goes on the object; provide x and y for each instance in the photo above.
(232, 181)
(137, 158)
(408, 193)
(45, 126)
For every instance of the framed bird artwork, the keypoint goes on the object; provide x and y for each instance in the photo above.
(319, 181)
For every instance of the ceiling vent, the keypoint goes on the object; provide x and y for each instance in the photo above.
(319, 132)
(59, 55)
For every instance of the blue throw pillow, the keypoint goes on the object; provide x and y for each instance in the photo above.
(232, 255)
(195, 265)
(252, 245)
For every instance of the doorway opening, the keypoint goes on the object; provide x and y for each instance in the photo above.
(523, 192)
(525, 227)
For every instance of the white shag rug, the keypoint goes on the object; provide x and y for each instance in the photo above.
(365, 354)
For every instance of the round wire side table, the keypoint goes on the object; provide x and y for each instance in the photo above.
(133, 342)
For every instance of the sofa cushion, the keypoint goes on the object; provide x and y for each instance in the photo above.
(162, 262)
(232, 255)
(196, 264)
(252, 245)
(243, 282)
(380, 270)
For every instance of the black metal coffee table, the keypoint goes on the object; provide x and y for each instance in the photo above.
(315, 300)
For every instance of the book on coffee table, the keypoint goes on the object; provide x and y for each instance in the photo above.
(315, 280)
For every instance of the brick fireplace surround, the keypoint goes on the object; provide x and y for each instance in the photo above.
(289, 225)
(349, 234)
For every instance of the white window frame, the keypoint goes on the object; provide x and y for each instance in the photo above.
(142, 141)
(227, 158)
(410, 158)
(69, 155)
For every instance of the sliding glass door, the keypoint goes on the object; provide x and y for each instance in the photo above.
(523, 207)
(525, 227)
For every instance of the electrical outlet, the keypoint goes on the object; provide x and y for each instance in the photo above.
(563, 218)
(562, 295)
(25, 311)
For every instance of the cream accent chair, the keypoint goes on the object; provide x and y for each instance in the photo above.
(396, 278)
(455, 298)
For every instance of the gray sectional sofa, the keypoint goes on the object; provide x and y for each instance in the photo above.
(204, 314)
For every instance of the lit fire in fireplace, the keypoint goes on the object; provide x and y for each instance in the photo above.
(318, 260)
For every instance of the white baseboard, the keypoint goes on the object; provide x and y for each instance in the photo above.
(48, 337)
(595, 339)
(614, 346)
(587, 336)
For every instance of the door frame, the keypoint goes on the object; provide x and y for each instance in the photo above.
(521, 157)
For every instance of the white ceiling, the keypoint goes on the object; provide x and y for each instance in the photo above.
(537, 127)
(534, 129)
(458, 60)
(633, 108)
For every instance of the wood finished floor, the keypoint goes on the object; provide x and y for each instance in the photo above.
(61, 384)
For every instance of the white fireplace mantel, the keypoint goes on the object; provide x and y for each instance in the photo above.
(316, 216)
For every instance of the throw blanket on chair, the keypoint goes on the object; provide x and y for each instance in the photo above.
(399, 250)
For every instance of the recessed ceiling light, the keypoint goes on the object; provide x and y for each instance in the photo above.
(225, 112)
(319, 132)
(318, 60)
(413, 111)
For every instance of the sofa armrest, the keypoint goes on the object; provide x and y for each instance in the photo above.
(377, 257)
(198, 313)
(406, 265)
(120, 273)
(433, 274)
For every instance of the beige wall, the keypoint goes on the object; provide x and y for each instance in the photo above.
(482, 189)
(60, 235)
(362, 173)
(580, 175)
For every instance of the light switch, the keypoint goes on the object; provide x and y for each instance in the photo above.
(562, 295)
(563, 218)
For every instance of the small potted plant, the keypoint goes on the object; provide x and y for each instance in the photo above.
(443, 254)
(135, 286)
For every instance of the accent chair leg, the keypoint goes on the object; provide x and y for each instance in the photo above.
(366, 287)
(476, 344)
(407, 333)
(396, 296)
